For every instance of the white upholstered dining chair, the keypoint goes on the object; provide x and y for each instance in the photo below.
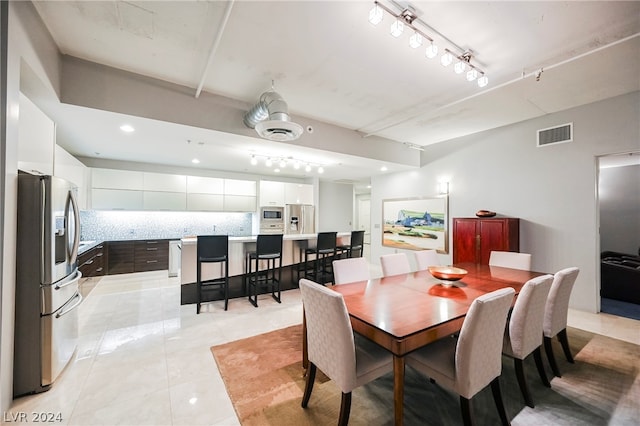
(555, 315)
(471, 362)
(394, 264)
(510, 259)
(332, 347)
(523, 334)
(426, 258)
(350, 270)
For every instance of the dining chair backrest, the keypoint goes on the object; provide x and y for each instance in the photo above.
(350, 270)
(478, 358)
(330, 338)
(557, 306)
(525, 323)
(394, 264)
(426, 258)
(510, 259)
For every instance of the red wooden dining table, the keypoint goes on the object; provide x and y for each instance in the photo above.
(405, 312)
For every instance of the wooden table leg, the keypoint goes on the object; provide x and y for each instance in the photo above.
(398, 388)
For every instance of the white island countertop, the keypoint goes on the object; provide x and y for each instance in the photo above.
(253, 238)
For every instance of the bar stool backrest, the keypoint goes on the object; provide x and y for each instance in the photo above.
(357, 240)
(269, 244)
(326, 242)
(212, 248)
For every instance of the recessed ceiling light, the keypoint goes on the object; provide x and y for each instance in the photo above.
(128, 128)
(276, 170)
(195, 161)
(383, 169)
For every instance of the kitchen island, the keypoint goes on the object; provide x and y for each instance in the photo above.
(293, 247)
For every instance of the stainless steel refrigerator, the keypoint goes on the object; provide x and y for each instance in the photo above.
(47, 278)
(299, 219)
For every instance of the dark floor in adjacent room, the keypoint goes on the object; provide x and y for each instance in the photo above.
(622, 309)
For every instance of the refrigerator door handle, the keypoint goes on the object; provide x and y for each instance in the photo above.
(73, 250)
(65, 310)
(73, 280)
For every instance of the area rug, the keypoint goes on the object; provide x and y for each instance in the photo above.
(264, 379)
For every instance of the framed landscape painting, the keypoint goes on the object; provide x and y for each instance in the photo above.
(416, 223)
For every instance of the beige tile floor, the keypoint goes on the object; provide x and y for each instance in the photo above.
(145, 359)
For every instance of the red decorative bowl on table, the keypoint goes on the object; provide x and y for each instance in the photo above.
(447, 274)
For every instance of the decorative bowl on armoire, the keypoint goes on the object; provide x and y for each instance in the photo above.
(485, 213)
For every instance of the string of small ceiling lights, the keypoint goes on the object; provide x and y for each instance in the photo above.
(408, 17)
(280, 163)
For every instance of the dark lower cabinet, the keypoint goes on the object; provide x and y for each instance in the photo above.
(121, 255)
(151, 255)
(137, 256)
(91, 263)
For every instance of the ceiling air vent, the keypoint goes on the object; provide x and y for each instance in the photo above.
(270, 118)
(553, 135)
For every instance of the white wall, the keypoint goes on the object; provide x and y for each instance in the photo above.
(552, 189)
(29, 46)
(335, 212)
(619, 195)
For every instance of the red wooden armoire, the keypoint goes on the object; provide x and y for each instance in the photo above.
(475, 238)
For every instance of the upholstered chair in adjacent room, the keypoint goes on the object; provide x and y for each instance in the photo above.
(523, 334)
(394, 264)
(426, 258)
(350, 270)
(471, 362)
(510, 259)
(555, 315)
(348, 361)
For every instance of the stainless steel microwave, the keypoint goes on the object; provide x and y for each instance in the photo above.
(272, 214)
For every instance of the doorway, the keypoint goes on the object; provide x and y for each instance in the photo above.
(618, 203)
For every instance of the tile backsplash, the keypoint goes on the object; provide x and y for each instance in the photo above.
(141, 225)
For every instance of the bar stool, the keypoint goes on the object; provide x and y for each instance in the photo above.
(325, 252)
(269, 249)
(212, 249)
(355, 245)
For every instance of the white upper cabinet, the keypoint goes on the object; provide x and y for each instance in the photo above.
(205, 202)
(67, 167)
(36, 139)
(161, 200)
(205, 185)
(239, 203)
(116, 199)
(239, 187)
(271, 193)
(298, 193)
(117, 179)
(129, 190)
(164, 182)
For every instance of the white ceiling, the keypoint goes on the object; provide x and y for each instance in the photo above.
(330, 64)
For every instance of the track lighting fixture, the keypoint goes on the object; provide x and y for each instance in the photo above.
(408, 17)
